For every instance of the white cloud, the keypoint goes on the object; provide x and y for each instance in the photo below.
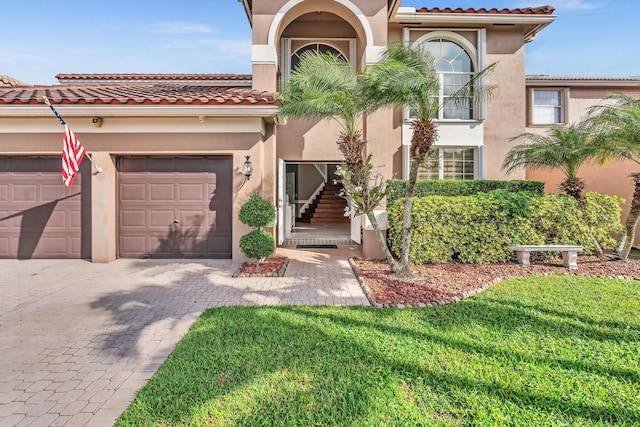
(175, 27)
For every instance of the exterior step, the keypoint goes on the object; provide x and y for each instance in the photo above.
(328, 220)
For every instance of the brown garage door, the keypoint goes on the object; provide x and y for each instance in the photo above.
(39, 216)
(174, 207)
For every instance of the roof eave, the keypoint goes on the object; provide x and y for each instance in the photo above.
(471, 18)
(587, 82)
(531, 35)
(108, 110)
(393, 8)
(247, 10)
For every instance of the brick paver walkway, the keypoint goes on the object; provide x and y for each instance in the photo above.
(78, 340)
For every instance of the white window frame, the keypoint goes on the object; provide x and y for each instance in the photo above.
(285, 50)
(564, 96)
(477, 59)
(476, 162)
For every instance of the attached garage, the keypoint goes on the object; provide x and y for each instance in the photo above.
(175, 207)
(39, 216)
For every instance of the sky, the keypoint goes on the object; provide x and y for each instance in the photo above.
(41, 38)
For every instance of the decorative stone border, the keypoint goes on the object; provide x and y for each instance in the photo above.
(279, 273)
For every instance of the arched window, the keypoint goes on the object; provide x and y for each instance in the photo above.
(314, 47)
(455, 69)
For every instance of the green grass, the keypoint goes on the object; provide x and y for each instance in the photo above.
(539, 351)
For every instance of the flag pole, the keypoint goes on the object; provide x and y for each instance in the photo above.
(63, 123)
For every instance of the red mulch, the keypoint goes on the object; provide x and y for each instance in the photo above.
(439, 284)
(270, 267)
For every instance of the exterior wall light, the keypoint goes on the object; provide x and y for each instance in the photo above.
(97, 121)
(247, 168)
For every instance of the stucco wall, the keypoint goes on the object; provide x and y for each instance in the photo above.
(505, 115)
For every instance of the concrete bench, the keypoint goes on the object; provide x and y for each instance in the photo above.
(569, 253)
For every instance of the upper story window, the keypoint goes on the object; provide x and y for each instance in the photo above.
(315, 47)
(455, 69)
(547, 107)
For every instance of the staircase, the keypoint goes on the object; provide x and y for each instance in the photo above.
(327, 208)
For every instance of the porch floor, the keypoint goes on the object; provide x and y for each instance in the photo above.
(319, 234)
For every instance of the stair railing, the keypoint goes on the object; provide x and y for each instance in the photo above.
(309, 201)
(322, 168)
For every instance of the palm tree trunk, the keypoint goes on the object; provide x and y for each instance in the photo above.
(405, 268)
(393, 264)
(424, 135)
(626, 240)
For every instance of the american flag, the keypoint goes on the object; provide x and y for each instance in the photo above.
(72, 154)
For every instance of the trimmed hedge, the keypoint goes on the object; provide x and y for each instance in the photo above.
(480, 228)
(257, 212)
(257, 244)
(398, 188)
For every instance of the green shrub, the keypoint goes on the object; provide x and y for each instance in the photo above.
(603, 216)
(398, 187)
(257, 244)
(480, 228)
(257, 212)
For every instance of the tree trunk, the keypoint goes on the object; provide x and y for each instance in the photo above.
(393, 264)
(424, 135)
(626, 240)
(405, 268)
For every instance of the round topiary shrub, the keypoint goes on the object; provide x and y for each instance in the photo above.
(257, 212)
(257, 244)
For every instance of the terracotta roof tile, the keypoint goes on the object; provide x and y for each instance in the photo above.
(162, 94)
(135, 78)
(6, 81)
(542, 10)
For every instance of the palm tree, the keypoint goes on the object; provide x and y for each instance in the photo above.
(617, 135)
(565, 148)
(325, 86)
(407, 77)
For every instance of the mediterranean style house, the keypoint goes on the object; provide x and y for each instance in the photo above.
(173, 150)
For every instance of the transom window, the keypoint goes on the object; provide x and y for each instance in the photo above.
(314, 47)
(548, 108)
(455, 69)
(449, 163)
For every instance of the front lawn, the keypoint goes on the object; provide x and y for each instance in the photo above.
(537, 351)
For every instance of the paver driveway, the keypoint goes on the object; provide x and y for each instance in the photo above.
(78, 340)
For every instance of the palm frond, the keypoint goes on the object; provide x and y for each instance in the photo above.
(616, 128)
(323, 86)
(564, 148)
(406, 76)
(475, 90)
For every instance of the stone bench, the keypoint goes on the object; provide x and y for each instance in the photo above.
(569, 253)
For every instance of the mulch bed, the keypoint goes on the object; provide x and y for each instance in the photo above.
(440, 284)
(270, 267)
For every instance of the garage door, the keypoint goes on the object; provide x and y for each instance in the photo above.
(174, 207)
(39, 216)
